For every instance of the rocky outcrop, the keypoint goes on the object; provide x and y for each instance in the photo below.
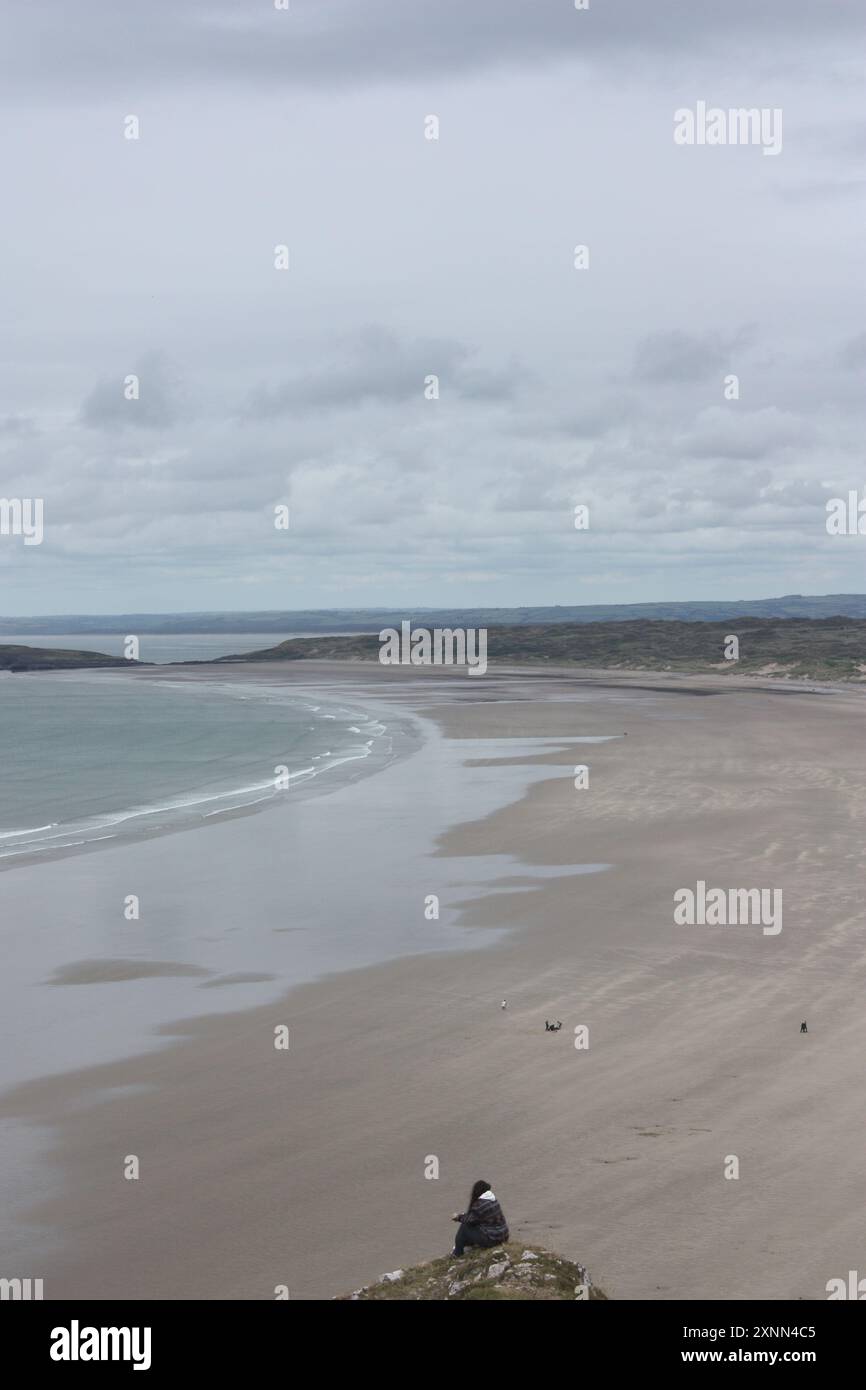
(514, 1271)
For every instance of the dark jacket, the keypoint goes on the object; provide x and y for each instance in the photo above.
(486, 1216)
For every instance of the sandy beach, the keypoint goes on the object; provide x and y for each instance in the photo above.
(306, 1167)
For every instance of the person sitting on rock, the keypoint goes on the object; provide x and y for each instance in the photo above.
(482, 1223)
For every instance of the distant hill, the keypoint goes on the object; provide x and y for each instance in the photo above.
(507, 1273)
(333, 620)
(50, 659)
(825, 649)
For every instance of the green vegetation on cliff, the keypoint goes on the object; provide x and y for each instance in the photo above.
(47, 659)
(829, 649)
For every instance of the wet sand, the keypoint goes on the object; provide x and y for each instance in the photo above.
(263, 1167)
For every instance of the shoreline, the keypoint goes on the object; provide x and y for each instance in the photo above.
(221, 901)
(306, 1172)
(403, 733)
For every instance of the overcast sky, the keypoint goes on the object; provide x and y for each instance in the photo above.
(411, 257)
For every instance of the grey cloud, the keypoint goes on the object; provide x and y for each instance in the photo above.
(481, 384)
(677, 356)
(16, 425)
(597, 413)
(120, 43)
(380, 367)
(260, 126)
(734, 433)
(158, 405)
(810, 190)
(852, 354)
(837, 139)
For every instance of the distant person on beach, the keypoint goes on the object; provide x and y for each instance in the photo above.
(504, 1004)
(803, 1028)
(482, 1223)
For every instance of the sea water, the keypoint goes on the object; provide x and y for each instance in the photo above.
(89, 757)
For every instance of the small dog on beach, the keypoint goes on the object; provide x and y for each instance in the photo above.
(552, 1027)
